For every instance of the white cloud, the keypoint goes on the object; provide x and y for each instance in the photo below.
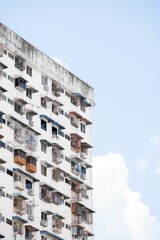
(141, 164)
(120, 212)
(155, 141)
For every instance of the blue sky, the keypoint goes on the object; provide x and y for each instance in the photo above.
(114, 45)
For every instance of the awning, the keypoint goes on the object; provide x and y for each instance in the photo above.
(2, 161)
(31, 111)
(48, 99)
(26, 174)
(90, 234)
(34, 90)
(19, 195)
(78, 95)
(58, 125)
(17, 218)
(48, 212)
(2, 236)
(3, 90)
(76, 114)
(86, 121)
(46, 186)
(76, 135)
(47, 118)
(47, 164)
(19, 77)
(30, 227)
(58, 215)
(87, 186)
(87, 164)
(77, 225)
(86, 145)
(2, 65)
(49, 144)
(57, 103)
(52, 121)
(76, 158)
(88, 102)
(50, 235)
(57, 146)
(20, 100)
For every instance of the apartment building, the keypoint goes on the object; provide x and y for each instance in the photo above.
(45, 146)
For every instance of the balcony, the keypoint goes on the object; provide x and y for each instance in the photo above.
(56, 90)
(19, 105)
(31, 164)
(76, 142)
(29, 232)
(46, 192)
(19, 206)
(19, 181)
(20, 63)
(20, 84)
(75, 119)
(57, 175)
(57, 224)
(18, 225)
(57, 157)
(19, 157)
(77, 231)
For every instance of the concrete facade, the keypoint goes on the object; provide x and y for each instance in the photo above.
(45, 151)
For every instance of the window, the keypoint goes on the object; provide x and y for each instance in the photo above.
(20, 63)
(43, 170)
(43, 102)
(20, 84)
(28, 209)
(43, 216)
(29, 116)
(10, 78)
(9, 172)
(43, 147)
(29, 93)
(29, 71)
(67, 94)
(43, 238)
(54, 131)
(44, 80)
(67, 181)
(83, 107)
(83, 127)
(28, 184)
(43, 125)
(19, 108)
(8, 221)
(11, 56)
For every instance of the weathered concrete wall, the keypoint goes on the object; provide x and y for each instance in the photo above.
(43, 63)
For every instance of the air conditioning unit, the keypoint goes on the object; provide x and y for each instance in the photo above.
(43, 223)
(46, 87)
(30, 192)
(31, 218)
